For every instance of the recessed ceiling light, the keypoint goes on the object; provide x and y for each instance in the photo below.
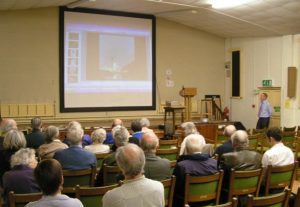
(222, 4)
(194, 11)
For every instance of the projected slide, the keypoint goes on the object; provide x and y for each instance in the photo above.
(108, 62)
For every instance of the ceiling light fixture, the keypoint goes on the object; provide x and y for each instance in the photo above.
(78, 3)
(223, 4)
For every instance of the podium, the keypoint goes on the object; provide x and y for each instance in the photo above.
(187, 94)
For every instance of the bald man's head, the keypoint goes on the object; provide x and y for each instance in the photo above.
(131, 160)
(117, 122)
(240, 140)
(8, 124)
(229, 130)
(149, 142)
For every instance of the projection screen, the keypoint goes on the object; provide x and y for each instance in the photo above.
(107, 60)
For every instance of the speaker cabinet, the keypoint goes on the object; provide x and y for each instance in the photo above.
(292, 82)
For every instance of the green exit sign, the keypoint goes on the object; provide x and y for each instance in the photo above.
(266, 83)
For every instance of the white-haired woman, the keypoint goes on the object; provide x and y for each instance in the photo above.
(53, 144)
(145, 125)
(98, 137)
(190, 129)
(20, 178)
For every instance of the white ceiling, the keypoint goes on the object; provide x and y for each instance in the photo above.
(259, 18)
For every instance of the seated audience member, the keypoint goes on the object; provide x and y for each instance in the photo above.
(20, 178)
(13, 141)
(136, 127)
(194, 163)
(98, 137)
(52, 145)
(241, 159)
(36, 138)
(227, 145)
(86, 139)
(49, 177)
(121, 137)
(279, 154)
(109, 136)
(136, 190)
(190, 130)
(75, 157)
(155, 168)
(145, 125)
(6, 126)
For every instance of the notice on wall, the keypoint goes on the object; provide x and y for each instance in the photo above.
(169, 81)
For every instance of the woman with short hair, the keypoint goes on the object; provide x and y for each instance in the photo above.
(52, 145)
(98, 137)
(20, 178)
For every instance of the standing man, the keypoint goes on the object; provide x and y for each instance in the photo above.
(264, 113)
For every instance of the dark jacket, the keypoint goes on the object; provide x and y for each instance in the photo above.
(75, 158)
(35, 139)
(224, 148)
(5, 156)
(196, 165)
(156, 168)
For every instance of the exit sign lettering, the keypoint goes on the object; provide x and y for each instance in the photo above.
(266, 83)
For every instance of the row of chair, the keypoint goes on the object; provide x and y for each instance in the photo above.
(197, 189)
(241, 182)
(89, 196)
(280, 199)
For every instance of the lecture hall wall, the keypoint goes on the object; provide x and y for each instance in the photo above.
(29, 56)
(264, 58)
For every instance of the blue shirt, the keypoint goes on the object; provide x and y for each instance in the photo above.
(75, 158)
(138, 135)
(265, 109)
(109, 139)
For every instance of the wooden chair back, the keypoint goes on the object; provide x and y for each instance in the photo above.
(296, 151)
(92, 196)
(111, 174)
(289, 138)
(232, 203)
(244, 182)
(169, 186)
(79, 177)
(173, 164)
(253, 141)
(203, 188)
(18, 200)
(289, 129)
(100, 157)
(220, 137)
(279, 199)
(160, 134)
(280, 177)
(263, 143)
(168, 144)
(297, 199)
(170, 154)
(259, 131)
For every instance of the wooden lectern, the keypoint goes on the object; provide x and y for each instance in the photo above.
(187, 94)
